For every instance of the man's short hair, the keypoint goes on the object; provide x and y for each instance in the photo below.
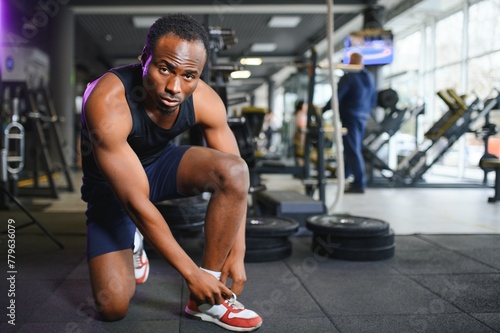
(179, 25)
(356, 59)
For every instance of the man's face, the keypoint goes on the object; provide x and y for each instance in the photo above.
(171, 73)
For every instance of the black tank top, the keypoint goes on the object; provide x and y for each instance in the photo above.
(146, 138)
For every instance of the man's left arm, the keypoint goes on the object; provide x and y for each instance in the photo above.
(211, 114)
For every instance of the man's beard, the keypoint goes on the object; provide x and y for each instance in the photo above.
(165, 110)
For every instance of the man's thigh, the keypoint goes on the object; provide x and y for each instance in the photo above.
(162, 174)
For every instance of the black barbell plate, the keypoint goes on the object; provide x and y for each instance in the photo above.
(273, 254)
(270, 226)
(344, 225)
(333, 243)
(262, 243)
(184, 213)
(176, 218)
(387, 98)
(187, 206)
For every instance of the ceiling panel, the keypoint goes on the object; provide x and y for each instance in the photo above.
(109, 25)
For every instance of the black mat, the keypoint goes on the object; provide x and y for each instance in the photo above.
(434, 283)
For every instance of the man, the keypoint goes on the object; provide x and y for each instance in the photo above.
(130, 115)
(357, 96)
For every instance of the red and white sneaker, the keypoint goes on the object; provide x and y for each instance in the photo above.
(230, 315)
(141, 262)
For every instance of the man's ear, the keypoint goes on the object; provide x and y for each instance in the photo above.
(143, 57)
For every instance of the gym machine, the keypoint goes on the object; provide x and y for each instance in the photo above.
(244, 127)
(12, 156)
(217, 74)
(294, 205)
(380, 135)
(36, 111)
(484, 133)
(12, 152)
(442, 135)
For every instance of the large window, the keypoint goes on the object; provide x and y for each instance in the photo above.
(449, 39)
(443, 57)
(483, 29)
(407, 53)
(484, 74)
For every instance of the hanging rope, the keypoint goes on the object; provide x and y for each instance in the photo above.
(335, 108)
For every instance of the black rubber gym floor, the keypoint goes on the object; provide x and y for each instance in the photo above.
(434, 283)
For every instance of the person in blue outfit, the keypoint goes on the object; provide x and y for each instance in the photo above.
(357, 96)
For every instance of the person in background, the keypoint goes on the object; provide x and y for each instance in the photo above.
(300, 126)
(357, 96)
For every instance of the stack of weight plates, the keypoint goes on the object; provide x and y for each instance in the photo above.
(267, 238)
(348, 237)
(185, 214)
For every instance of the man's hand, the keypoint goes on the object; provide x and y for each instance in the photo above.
(206, 289)
(234, 268)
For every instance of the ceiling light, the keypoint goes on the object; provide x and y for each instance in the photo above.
(284, 21)
(263, 47)
(245, 74)
(251, 61)
(144, 21)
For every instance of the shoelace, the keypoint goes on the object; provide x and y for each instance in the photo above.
(137, 259)
(234, 303)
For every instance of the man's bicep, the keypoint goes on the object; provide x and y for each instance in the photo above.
(212, 117)
(222, 139)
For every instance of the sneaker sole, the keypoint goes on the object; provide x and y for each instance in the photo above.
(144, 278)
(204, 317)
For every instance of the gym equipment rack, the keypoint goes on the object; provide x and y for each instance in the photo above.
(37, 112)
(442, 135)
(379, 137)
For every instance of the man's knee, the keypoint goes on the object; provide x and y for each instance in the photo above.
(232, 175)
(238, 175)
(113, 304)
(113, 284)
(113, 312)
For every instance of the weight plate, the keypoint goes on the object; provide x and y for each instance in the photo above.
(332, 242)
(387, 98)
(182, 219)
(380, 253)
(344, 225)
(273, 254)
(262, 243)
(184, 206)
(270, 226)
